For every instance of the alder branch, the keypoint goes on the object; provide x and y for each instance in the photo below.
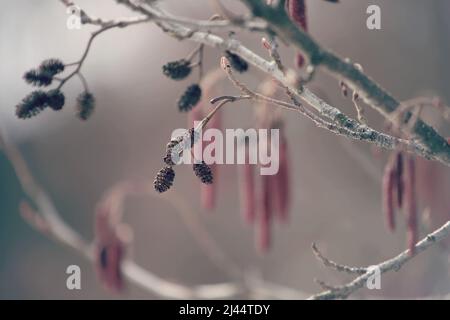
(342, 121)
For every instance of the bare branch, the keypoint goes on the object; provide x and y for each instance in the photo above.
(340, 120)
(393, 264)
(58, 230)
(371, 92)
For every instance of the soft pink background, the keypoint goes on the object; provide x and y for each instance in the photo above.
(336, 200)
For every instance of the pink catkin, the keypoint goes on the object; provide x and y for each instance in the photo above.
(399, 178)
(282, 192)
(109, 250)
(388, 188)
(247, 187)
(410, 202)
(297, 11)
(209, 191)
(264, 239)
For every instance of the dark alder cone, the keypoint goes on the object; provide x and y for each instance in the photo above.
(55, 99)
(38, 78)
(190, 98)
(170, 156)
(266, 214)
(51, 67)
(177, 70)
(236, 62)
(203, 171)
(32, 104)
(176, 146)
(164, 179)
(85, 105)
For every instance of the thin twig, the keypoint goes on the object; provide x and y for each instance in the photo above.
(339, 120)
(339, 267)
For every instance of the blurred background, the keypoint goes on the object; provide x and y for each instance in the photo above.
(335, 182)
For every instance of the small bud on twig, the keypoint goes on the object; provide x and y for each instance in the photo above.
(344, 88)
